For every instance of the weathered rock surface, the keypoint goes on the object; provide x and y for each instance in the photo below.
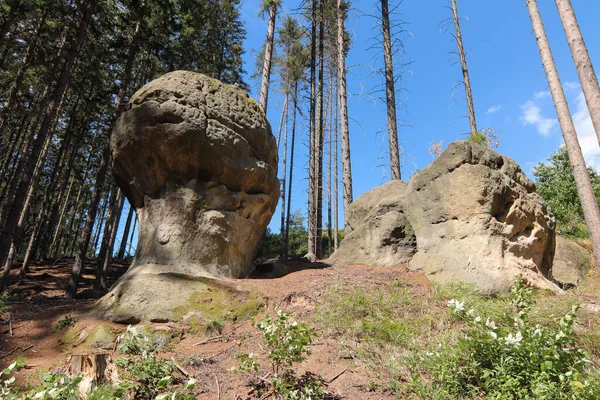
(472, 216)
(571, 263)
(198, 161)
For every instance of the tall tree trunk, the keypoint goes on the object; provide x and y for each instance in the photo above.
(266, 70)
(583, 63)
(329, 165)
(100, 178)
(319, 138)
(123, 246)
(336, 163)
(390, 92)
(312, 173)
(289, 195)
(282, 256)
(344, 130)
(591, 211)
(465, 70)
(28, 174)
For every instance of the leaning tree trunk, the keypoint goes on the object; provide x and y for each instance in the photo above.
(266, 71)
(465, 70)
(283, 177)
(390, 92)
(344, 130)
(123, 245)
(28, 174)
(589, 203)
(583, 63)
(84, 241)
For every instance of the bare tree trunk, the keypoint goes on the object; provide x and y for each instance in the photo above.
(289, 195)
(344, 130)
(102, 275)
(329, 155)
(28, 174)
(390, 92)
(131, 237)
(336, 166)
(312, 173)
(591, 211)
(283, 178)
(583, 63)
(465, 70)
(320, 138)
(123, 245)
(266, 71)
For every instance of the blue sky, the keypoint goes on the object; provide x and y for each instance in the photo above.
(509, 86)
(508, 82)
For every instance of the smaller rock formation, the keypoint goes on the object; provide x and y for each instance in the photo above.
(571, 263)
(472, 216)
(198, 161)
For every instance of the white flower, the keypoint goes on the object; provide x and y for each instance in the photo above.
(560, 335)
(490, 324)
(538, 331)
(493, 335)
(471, 312)
(456, 306)
(514, 340)
(477, 319)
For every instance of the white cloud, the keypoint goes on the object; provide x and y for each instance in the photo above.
(493, 109)
(542, 94)
(532, 115)
(586, 134)
(571, 86)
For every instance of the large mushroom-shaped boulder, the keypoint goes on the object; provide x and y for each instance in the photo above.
(198, 161)
(472, 216)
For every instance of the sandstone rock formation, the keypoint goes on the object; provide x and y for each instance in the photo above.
(198, 161)
(472, 216)
(571, 263)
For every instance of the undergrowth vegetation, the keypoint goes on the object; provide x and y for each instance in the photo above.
(452, 343)
(286, 344)
(142, 375)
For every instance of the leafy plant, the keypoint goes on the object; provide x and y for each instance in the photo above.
(556, 185)
(286, 343)
(64, 322)
(512, 357)
(147, 376)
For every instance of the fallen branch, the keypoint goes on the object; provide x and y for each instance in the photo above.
(10, 352)
(338, 375)
(212, 339)
(180, 368)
